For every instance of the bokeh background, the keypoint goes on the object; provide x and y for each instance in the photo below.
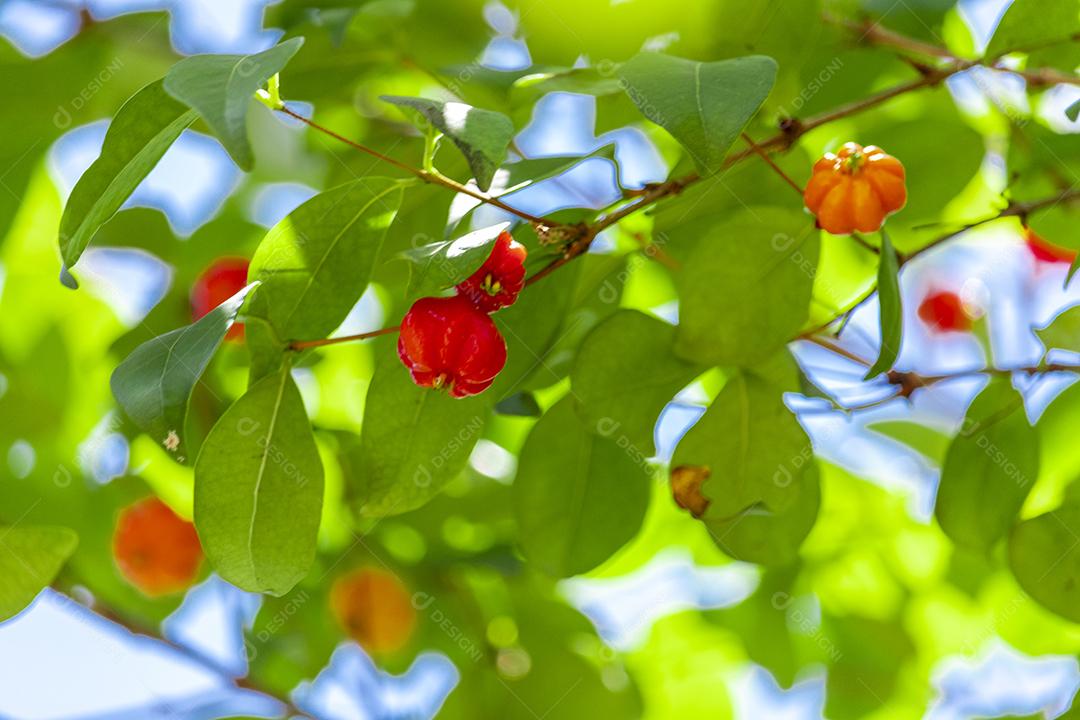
(59, 660)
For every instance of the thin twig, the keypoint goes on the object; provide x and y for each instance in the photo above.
(843, 352)
(426, 176)
(305, 344)
(858, 238)
(772, 163)
(245, 683)
(1014, 209)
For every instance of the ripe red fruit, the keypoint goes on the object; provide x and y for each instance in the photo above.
(374, 608)
(217, 283)
(155, 549)
(944, 312)
(446, 342)
(1046, 251)
(499, 280)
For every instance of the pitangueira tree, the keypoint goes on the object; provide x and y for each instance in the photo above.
(450, 395)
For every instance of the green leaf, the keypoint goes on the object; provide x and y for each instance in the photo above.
(891, 314)
(1047, 31)
(582, 81)
(520, 404)
(315, 264)
(751, 446)
(745, 288)
(989, 469)
(866, 658)
(759, 535)
(30, 558)
(143, 129)
(414, 441)
(1063, 332)
(1045, 558)
(577, 497)
(1073, 111)
(440, 265)
(703, 105)
(925, 440)
(625, 372)
(530, 171)
(259, 489)
(481, 135)
(221, 89)
(153, 384)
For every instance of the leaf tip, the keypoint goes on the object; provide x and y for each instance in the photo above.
(67, 279)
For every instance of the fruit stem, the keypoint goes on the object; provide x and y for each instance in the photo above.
(297, 345)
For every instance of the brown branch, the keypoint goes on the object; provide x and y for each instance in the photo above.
(1019, 210)
(791, 131)
(244, 683)
(428, 177)
(880, 35)
(911, 381)
(1013, 209)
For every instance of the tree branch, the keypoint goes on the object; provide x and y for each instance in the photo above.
(1013, 209)
(243, 683)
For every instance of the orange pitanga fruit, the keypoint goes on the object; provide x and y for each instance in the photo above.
(855, 188)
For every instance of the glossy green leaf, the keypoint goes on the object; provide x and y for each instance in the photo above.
(891, 311)
(583, 81)
(414, 441)
(138, 136)
(523, 173)
(703, 105)
(760, 535)
(578, 497)
(154, 383)
(1047, 30)
(1073, 111)
(1045, 558)
(30, 558)
(989, 470)
(744, 290)
(751, 446)
(482, 136)
(625, 372)
(315, 264)
(441, 265)
(221, 88)
(1063, 332)
(259, 489)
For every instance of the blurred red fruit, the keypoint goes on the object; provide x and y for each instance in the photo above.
(374, 608)
(944, 312)
(1045, 251)
(219, 282)
(155, 549)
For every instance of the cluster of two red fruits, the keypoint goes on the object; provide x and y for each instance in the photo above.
(445, 342)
